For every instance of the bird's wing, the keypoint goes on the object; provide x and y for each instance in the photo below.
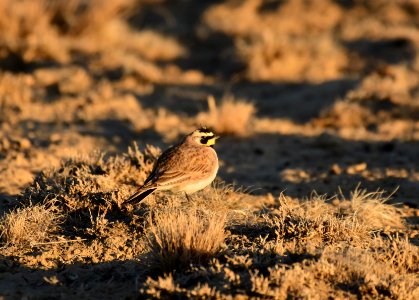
(174, 166)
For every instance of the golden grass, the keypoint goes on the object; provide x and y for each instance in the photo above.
(42, 29)
(27, 226)
(15, 93)
(36, 31)
(179, 238)
(231, 117)
(371, 209)
(230, 241)
(383, 95)
(225, 243)
(94, 182)
(26, 31)
(296, 55)
(39, 30)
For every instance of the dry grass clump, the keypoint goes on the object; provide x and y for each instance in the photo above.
(76, 17)
(397, 252)
(268, 59)
(27, 33)
(361, 273)
(307, 225)
(344, 113)
(167, 287)
(304, 249)
(95, 181)
(36, 30)
(179, 238)
(232, 116)
(370, 209)
(385, 101)
(275, 47)
(15, 93)
(27, 226)
(394, 83)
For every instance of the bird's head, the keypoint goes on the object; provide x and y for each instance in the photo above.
(203, 136)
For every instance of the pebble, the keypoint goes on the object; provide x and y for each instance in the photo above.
(357, 168)
(336, 169)
(24, 143)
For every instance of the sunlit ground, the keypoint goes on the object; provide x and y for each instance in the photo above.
(317, 106)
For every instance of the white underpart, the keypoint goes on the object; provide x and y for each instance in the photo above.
(197, 186)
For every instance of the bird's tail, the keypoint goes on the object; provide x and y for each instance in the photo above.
(139, 195)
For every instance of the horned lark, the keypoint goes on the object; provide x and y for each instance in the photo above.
(188, 166)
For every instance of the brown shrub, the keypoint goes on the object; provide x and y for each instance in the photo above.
(30, 225)
(178, 238)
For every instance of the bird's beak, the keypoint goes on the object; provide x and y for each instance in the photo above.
(216, 137)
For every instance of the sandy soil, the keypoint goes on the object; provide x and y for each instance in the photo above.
(313, 99)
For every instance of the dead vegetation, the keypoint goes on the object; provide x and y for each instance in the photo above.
(318, 103)
(93, 182)
(39, 30)
(31, 225)
(304, 249)
(230, 117)
(277, 251)
(180, 238)
(385, 95)
(316, 54)
(274, 46)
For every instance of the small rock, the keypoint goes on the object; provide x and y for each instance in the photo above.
(336, 169)
(24, 143)
(354, 169)
(55, 137)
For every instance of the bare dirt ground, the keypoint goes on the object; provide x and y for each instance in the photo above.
(317, 104)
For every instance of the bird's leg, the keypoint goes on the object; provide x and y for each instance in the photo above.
(187, 197)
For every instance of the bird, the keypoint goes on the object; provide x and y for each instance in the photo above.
(188, 166)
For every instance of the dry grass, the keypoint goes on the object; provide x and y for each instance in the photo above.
(230, 244)
(371, 209)
(179, 237)
(292, 41)
(232, 116)
(48, 31)
(36, 30)
(15, 93)
(385, 94)
(306, 249)
(90, 188)
(310, 224)
(85, 74)
(315, 56)
(28, 226)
